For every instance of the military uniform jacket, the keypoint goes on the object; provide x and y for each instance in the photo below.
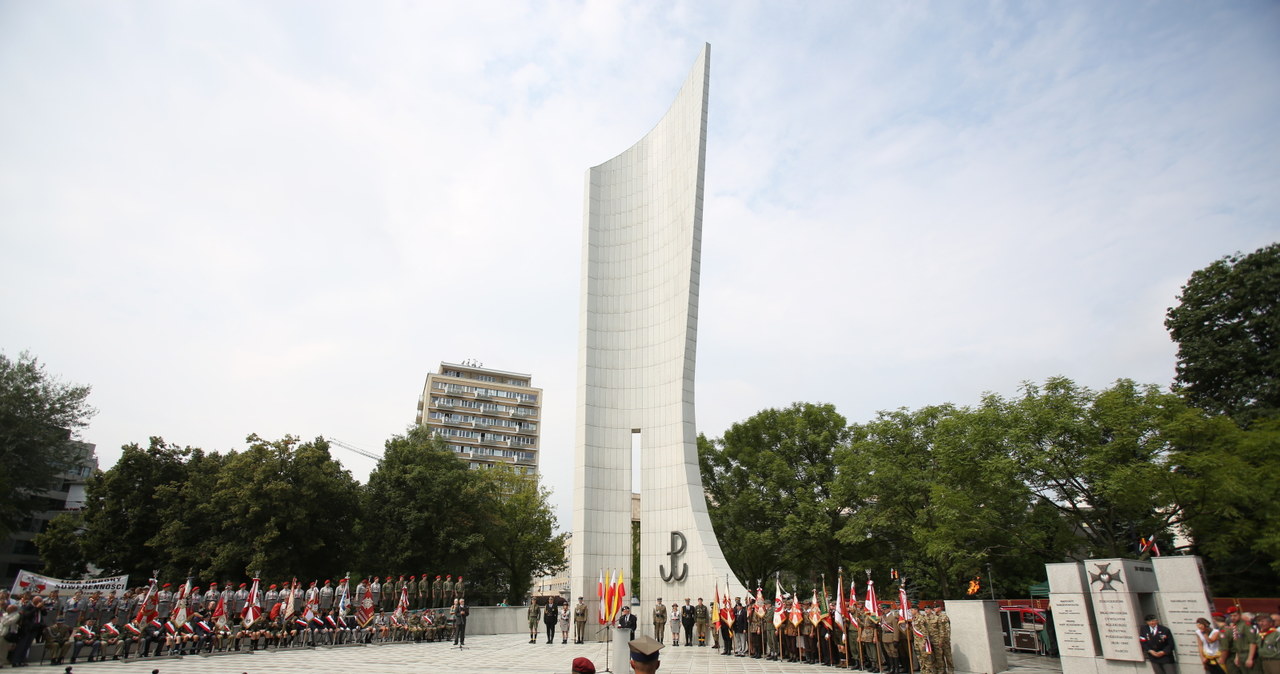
(580, 613)
(701, 614)
(326, 598)
(659, 615)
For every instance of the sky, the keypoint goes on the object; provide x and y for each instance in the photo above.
(277, 217)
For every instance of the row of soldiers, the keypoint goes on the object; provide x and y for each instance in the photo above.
(119, 638)
(889, 643)
(104, 606)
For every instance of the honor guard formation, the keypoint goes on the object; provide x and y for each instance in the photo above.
(161, 620)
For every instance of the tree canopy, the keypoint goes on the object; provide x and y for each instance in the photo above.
(1227, 327)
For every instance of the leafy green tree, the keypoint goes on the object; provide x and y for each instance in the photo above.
(38, 415)
(59, 546)
(769, 486)
(1227, 327)
(284, 508)
(519, 534)
(1231, 517)
(937, 496)
(422, 509)
(1102, 460)
(126, 508)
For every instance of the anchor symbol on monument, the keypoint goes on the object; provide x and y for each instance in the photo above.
(678, 545)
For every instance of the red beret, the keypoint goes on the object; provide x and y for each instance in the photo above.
(1218, 616)
(583, 666)
(272, 586)
(244, 585)
(167, 585)
(1233, 609)
(437, 577)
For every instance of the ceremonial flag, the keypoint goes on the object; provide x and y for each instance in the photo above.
(760, 602)
(403, 606)
(1149, 545)
(344, 598)
(604, 601)
(815, 611)
(853, 595)
(903, 604)
(220, 612)
(147, 609)
(180, 613)
(312, 608)
(286, 598)
(778, 612)
(365, 613)
(715, 604)
(839, 600)
(872, 606)
(726, 608)
(619, 596)
(796, 614)
(253, 605)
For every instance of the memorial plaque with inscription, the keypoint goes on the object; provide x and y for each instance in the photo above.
(1114, 586)
(1073, 623)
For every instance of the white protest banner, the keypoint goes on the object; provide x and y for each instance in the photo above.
(38, 584)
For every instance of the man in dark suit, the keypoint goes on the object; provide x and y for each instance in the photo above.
(549, 618)
(687, 618)
(626, 621)
(1157, 645)
(460, 623)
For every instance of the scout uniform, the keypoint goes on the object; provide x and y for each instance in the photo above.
(659, 620)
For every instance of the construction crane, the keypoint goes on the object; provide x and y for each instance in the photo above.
(352, 448)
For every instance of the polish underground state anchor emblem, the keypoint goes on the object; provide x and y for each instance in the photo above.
(1105, 577)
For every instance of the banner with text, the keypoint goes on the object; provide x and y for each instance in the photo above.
(34, 582)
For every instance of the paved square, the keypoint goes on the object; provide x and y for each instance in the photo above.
(490, 653)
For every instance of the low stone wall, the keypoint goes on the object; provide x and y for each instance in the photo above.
(498, 620)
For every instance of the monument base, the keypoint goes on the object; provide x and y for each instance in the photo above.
(977, 644)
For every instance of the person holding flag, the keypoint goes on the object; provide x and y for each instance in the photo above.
(869, 635)
(772, 629)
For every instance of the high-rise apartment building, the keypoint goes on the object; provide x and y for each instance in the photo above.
(18, 552)
(487, 417)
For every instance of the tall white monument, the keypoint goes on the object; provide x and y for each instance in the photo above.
(638, 336)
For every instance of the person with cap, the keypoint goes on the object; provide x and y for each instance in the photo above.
(626, 621)
(549, 618)
(659, 620)
(564, 623)
(674, 611)
(1226, 642)
(943, 658)
(241, 597)
(582, 666)
(56, 637)
(1157, 646)
(644, 654)
(533, 619)
(437, 593)
(1268, 643)
(579, 621)
(687, 618)
(702, 616)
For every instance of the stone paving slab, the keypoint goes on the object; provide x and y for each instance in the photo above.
(489, 653)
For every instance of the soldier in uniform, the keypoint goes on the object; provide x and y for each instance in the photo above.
(659, 619)
(72, 608)
(790, 633)
(755, 630)
(446, 597)
(923, 642)
(869, 641)
(770, 636)
(533, 619)
(580, 620)
(86, 636)
(164, 601)
(889, 639)
(375, 589)
(210, 600)
(241, 598)
(459, 591)
(702, 618)
(437, 593)
(326, 596)
(56, 637)
(942, 648)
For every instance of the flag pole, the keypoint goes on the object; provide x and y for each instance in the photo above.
(875, 611)
(911, 636)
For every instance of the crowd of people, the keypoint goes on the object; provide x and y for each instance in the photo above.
(1234, 642)
(159, 619)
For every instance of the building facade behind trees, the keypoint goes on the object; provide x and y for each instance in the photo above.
(486, 417)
